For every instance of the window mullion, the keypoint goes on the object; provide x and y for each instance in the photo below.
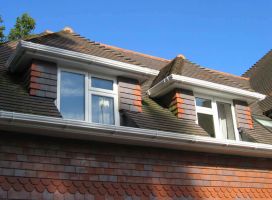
(86, 97)
(216, 120)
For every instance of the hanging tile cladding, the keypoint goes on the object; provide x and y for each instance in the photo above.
(43, 79)
(46, 168)
(243, 114)
(183, 104)
(129, 94)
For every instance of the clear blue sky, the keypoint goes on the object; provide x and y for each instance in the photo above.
(226, 35)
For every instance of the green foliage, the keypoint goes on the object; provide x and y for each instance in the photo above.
(2, 28)
(23, 27)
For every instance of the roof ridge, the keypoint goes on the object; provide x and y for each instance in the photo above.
(168, 69)
(115, 52)
(135, 52)
(28, 38)
(253, 67)
(213, 70)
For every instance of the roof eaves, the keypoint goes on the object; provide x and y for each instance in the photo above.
(24, 45)
(129, 135)
(168, 82)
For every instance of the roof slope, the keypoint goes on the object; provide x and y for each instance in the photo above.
(74, 42)
(158, 118)
(184, 67)
(260, 79)
(14, 96)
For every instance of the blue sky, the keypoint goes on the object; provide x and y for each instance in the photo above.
(226, 35)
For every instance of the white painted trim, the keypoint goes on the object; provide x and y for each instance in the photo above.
(58, 52)
(60, 69)
(113, 79)
(59, 127)
(107, 93)
(214, 112)
(163, 87)
(89, 91)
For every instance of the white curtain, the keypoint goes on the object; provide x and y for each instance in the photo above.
(225, 120)
(102, 109)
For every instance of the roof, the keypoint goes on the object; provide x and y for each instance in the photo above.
(74, 42)
(260, 79)
(156, 117)
(182, 66)
(15, 97)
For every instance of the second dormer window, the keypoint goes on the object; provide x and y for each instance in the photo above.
(88, 97)
(216, 117)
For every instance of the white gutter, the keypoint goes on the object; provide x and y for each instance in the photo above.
(159, 88)
(58, 52)
(58, 127)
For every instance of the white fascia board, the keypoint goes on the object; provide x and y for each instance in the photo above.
(59, 127)
(162, 86)
(58, 52)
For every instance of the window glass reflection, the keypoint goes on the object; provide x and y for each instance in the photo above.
(72, 95)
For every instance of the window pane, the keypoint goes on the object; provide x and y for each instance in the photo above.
(203, 102)
(102, 83)
(225, 120)
(102, 109)
(267, 123)
(206, 122)
(72, 96)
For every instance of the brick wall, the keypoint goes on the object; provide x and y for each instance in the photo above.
(243, 115)
(129, 94)
(182, 104)
(33, 167)
(42, 79)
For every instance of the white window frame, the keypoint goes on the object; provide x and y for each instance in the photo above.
(89, 91)
(104, 92)
(214, 112)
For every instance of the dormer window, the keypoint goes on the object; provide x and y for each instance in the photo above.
(216, 116)
(88, 97)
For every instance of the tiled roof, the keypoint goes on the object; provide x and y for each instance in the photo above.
(147, 60)
(74, 42)
(260, 79)
(184, 67)
(14, 96)
(260, 133)
(156, 117)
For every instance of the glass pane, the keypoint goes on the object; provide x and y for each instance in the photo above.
(102, 83)
(266, 123)
(206, 122)
(102, 109)
(225, 120)
(72, 96)
(203, 102)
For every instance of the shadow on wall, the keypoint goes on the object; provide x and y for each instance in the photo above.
(50, 168)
